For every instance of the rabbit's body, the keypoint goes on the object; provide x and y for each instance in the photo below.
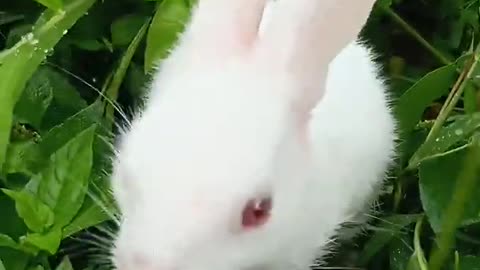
(226, 167)
(352, 128)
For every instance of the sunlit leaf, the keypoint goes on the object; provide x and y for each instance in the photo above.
(62, 185)
(34, 212)
(168, 22)
(412, 104)
(448, 136)
(18, 63)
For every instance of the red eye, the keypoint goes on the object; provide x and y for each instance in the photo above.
(256, 212)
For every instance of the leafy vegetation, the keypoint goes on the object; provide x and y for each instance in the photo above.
(69, 68)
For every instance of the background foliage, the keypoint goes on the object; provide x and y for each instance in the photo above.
(67, 66)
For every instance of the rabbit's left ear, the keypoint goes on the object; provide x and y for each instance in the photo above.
(220, 28)
(304, 36)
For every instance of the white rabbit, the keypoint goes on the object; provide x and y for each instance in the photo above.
(226, 167)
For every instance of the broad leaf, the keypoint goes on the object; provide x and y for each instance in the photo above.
(13, 259)
(30, 158)
(65, 264)
(470, 99)
(386, 230)
(438, 181)
(469, 263)
(400, 252)
(168, 22)
(18, 158)
(136, 80)
(18, 63)
(91, 214)
(125, 28)
(35, 100)
(448, 136)
(49, 241)
(51, 4)
(413, 103)
(66, 99)
(62, 185)
(37, 267)
(11, 223)
(36, 215)
(99, 206)
(7, 241)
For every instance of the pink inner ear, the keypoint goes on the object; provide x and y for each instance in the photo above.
(256, 213)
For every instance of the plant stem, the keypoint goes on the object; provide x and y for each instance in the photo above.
(417, 246)
(454, 95)
(410, 30)
(452, 100)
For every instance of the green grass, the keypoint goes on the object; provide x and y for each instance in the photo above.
(70, 69)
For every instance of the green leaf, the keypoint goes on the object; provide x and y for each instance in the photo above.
(66, 99)
(11, 224)
(13, 259)
(35, 100)
(91, 214)
(62, 133)
(16, 159)
(31, 158)
(388, 228)
(37, 267)
(168, 22)
(49, 241)
(469, 263)
(2, 267)
(456, 132)
(7, 241)
(384, 3)
(18, 63)
(125, 28)
(65, 264)
(456, 31)
(438, 179)
(51, 4)
(89, 44)
(470, 99)
(95, 24)
(136, 80)
(413, 103)
(36, 215)
(62, 185)
(400, 252)
(63, 91)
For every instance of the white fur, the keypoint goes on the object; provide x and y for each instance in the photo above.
(217, 133)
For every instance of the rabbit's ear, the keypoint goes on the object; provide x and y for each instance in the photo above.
(306, 35)
(223, 27)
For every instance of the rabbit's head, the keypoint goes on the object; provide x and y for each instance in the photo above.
(207, 174)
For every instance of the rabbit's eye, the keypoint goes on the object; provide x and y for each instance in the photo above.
(256, 212)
